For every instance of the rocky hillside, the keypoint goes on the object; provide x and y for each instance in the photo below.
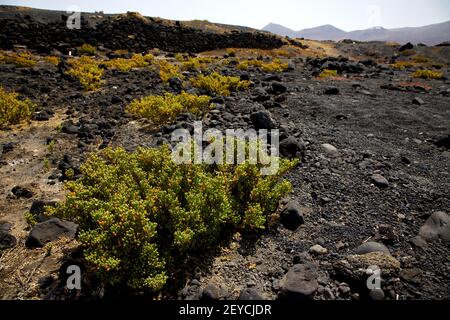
(44, 30)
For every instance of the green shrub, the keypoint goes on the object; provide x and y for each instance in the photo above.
(427, 74)
(282, 53)
(51, 146)
(87, 49)
(164, 109)
(31, 219)
(244, 65)
(326, 73)
(125, 65)
(276, 65)
(47, 165)
(231, 52)
(12, 109)
(196, 64)
(139, 213)
(421, 59)
(20, 59)
(52, 60)
(87, 71)
(400, 65)
(218, 84)
(168, 71)
(179, 57)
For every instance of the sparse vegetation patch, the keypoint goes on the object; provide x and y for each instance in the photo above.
(140, 212)
(327, 73)
(87, 49)
(12, 109)
(276, 65)
(136, 61)
(218, 84)
(19, 59)
(427, 74)
(164, 109)
(87, 71)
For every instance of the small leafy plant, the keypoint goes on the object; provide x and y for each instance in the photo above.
(231, 52)
(421, 59)
(196, 64)
(164, 109)
(19, 59)
(246, 64)
(282, 53)
(179, 57)
(276, 65)
(87, 49)
(218, 84)
(12, 109)
(87, 71)
(51, 146)
(125, 65)
(47, 165)
(327, 73)
(427, 74)
(52, 60)
(168, 71)
(31, 219)
(400, 65)
(139, 213)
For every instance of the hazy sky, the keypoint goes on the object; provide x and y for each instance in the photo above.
(295, 14)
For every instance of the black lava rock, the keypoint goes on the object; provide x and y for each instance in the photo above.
(291, 217)
(7, 240)
(331, 91)
(250, 295)
(407, 46)
(291, 147)
(300, 283)
(22, 192)
(49, 231)
(262, 120)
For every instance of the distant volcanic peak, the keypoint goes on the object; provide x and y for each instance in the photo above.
(325, 27)
(279, 29)
(431, 35)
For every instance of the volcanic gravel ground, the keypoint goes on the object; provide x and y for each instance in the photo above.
(374, 131)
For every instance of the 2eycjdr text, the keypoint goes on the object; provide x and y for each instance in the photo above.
(226, 310)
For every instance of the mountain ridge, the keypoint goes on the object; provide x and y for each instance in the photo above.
(430, 34)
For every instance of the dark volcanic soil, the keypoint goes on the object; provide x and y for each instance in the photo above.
(374, 130)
